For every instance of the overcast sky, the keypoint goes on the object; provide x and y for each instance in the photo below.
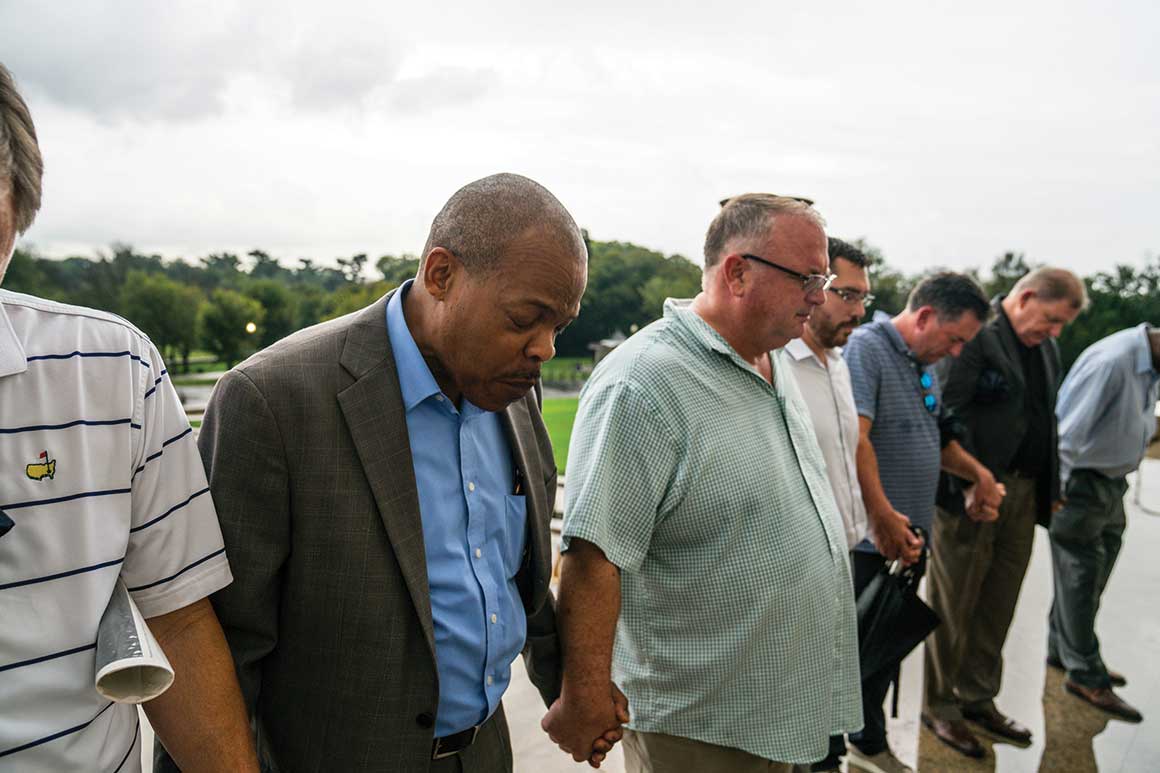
(944, 133)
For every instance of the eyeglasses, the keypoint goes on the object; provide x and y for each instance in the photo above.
(852, 296)
(929, 401)
(811, 283)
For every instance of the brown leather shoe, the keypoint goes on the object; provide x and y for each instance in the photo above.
(996, 723)
(1117, 679)
(955, 734)
(1103, 698)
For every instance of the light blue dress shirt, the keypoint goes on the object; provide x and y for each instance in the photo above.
(1107, 406)
(473, 534)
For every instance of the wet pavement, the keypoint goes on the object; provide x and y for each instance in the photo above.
(1069, 736)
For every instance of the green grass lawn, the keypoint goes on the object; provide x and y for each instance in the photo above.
(558, 415)
(193, 379)
(565, 369)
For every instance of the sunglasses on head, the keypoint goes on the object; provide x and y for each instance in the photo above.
(802, 199)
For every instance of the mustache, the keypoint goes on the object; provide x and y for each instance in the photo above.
(526, 375)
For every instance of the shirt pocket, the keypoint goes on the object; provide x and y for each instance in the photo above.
(514, 532)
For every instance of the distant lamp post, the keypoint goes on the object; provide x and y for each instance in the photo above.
(251, 328)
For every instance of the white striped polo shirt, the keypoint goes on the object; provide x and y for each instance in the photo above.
(100, 473)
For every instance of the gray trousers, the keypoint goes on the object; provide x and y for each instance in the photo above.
(1085, 540)
(973, 581)
(491, 752)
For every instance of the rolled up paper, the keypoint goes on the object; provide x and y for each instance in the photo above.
(131, 667)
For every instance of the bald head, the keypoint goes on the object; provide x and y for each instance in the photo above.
(484, 218)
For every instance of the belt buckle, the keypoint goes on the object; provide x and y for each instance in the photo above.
(436, 754)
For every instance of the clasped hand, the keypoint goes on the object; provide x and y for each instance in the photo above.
(982, 500)
(587, 723)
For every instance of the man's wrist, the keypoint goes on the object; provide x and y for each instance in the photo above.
(586, 690)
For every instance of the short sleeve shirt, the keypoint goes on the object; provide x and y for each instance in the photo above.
(905, 435)
(704, 485)
(103, 481)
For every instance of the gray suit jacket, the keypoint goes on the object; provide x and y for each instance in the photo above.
(984, 390)
(329, 615)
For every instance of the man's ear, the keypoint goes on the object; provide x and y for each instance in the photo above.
(924, 316)
(1024, 298)
(440, 270)
(733, 271)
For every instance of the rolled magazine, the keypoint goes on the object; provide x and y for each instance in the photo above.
(131, 668)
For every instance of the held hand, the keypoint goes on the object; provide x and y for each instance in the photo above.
(894, 539)
(990, 491)
(979, 507)
(603, 745)
(585, 723)
(1058, 504)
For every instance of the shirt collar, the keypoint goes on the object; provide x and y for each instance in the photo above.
(800, 350)
(1144, 350)
(886, 325)
(415, 380)
(12, 357)
(680, 311)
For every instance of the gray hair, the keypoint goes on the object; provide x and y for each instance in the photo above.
(750, 217)
(1054, 284)
(481, 220)
(20, 163)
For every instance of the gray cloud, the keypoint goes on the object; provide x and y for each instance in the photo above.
(177, 61)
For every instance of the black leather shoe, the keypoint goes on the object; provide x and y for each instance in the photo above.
(1103, 698)
(998, 724)
(955, 734)
(1117, 679)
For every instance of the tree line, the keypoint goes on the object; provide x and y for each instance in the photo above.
(231, 305)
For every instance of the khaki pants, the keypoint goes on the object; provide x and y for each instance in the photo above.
(659, 753)
(974, 577)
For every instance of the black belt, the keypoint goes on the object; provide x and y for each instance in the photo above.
(454, 743)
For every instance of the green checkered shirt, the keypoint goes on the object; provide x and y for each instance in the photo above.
(705, 485)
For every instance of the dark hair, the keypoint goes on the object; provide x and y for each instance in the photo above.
(846, 251)
(481, 220)
(950, 294)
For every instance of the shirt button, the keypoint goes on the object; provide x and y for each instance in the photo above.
(470, 486)
(494, 618)
(489, 679)
(478, 553)
(439, 398)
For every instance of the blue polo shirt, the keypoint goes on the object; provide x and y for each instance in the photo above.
(905, 435)
(473, 535)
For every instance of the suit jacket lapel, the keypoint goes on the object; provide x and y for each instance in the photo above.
(1008, 341)
(374, 413)
(518, 427)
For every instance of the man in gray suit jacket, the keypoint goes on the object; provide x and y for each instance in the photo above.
(1002, 390)
(385, 484)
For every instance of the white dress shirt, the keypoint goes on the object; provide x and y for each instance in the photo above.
(830, 398)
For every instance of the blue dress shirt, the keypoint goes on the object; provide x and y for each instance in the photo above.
(473, 535)
(1107, 406)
